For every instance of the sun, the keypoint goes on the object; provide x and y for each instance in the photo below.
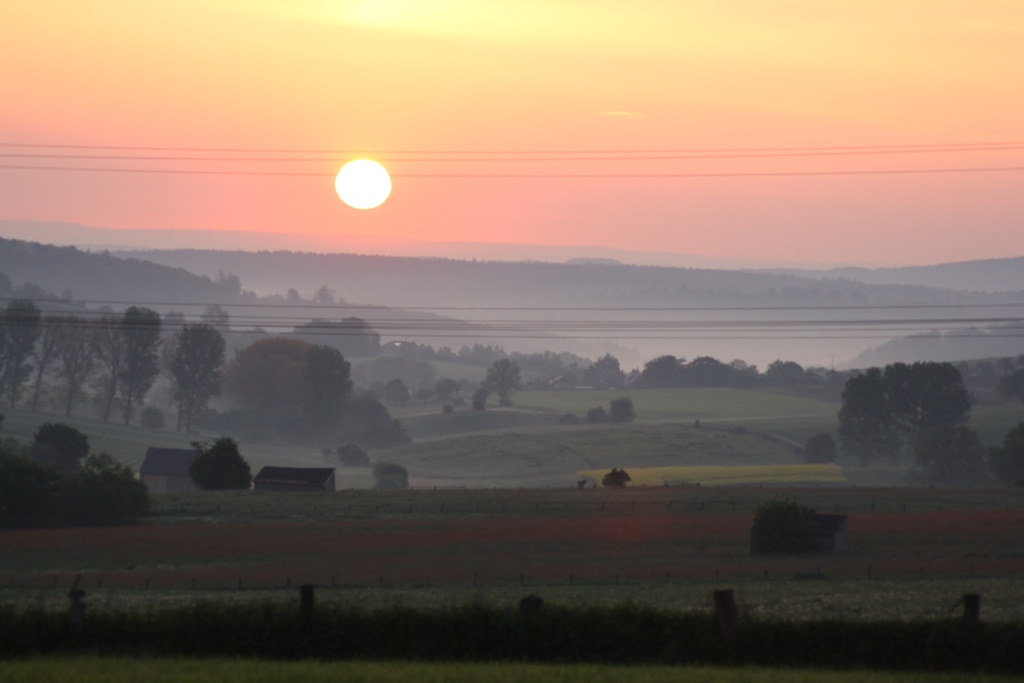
(363, 184)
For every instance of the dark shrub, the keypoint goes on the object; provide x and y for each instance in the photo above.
(621, 410)
(782, 527)
(616, 478)
(390, 476)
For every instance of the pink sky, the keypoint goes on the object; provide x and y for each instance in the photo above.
(529, 76)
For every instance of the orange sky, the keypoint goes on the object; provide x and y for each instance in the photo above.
(530, 75)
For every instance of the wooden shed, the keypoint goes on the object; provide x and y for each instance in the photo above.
(294, 479)
(165, 470)
(831, 533)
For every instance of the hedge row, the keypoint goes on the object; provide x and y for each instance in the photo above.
(622, 635)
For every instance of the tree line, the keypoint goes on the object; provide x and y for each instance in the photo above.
(922, 410)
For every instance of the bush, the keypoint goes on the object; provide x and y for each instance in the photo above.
(616, 478)
(820, 449)
(59, 445)
(352, 455)
(220, 466)
(621, 410)
(598, 416)
(152, 418)
(104, 492)
(782, 527)
(390, 476)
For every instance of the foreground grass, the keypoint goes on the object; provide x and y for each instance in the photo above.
(99, 670)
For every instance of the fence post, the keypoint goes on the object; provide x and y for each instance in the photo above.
(306, 607)
(77, 597)
(972, 610)
(725, 608)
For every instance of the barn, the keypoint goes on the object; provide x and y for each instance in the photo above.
(294, 479)
(165, 470)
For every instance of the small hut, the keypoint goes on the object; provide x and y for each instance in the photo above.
(831, 533)
(294, 479)
(165, 470)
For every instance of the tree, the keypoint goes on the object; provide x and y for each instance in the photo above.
(75, 353)
(215, 316)
(110, 351)
(480, 399)
(140, 329)
(389, 476)
(59, 445)
(327, 387)
(604, 373)
(786, 373)
(597, 416)
(446, 388)
(503, 377)
(706, 371)
(867, 429)
(950, 455)
(884, 410)
(44, 355)
(616, 478)
(783, 527)
(351, 455)
(396, 392)
(924, 396)
(103, 492)
(219, 466)
(27, 491)
(1006, 462)
(661, 372)
(269, 375)
(21, 323)
(1011, 386)
(194, 358)
(820, 449)
(621, 410)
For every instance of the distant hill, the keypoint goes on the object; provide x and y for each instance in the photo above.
(105, 278)
(634, 312)
(990, 275)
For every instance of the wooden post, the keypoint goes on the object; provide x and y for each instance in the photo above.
(725, 608)
(306, 607)
(77, 597)
(972, 610)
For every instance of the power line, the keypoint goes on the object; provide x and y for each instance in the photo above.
(979, 146)
(623, 156)
(531, 176)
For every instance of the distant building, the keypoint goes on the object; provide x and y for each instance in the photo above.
(165, 470)
(831, 533)
(294, 479)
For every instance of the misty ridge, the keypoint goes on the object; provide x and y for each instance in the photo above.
(585, 307)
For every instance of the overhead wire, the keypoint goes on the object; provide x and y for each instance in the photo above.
(506, 156)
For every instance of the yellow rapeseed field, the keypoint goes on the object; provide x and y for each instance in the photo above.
(728, 475)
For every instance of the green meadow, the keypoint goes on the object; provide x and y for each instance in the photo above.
(526, 446)
(130, 670)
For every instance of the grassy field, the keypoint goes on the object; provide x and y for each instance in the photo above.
(525, 446)
(99, 670)
(912, 552)
(729, 476)
(681, 405)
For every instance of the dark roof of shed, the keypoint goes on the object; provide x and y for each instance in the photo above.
(294, 475)
(168, 462)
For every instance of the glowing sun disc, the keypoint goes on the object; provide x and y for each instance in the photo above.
(363, 184)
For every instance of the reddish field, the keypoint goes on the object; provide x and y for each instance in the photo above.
(440, 550)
